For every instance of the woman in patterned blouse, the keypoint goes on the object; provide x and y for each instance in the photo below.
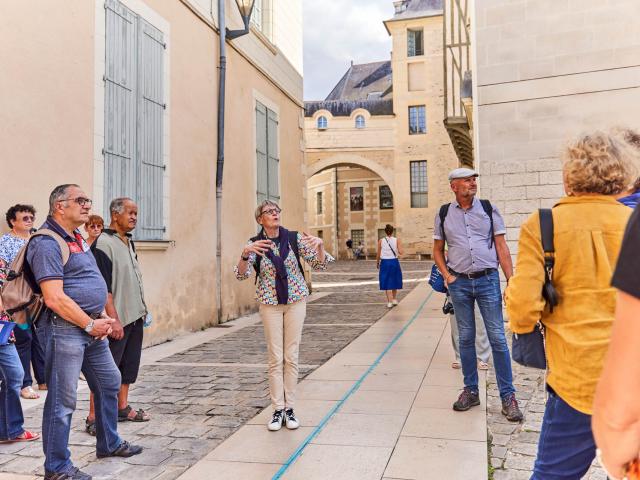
(20, 219)
(281, 291)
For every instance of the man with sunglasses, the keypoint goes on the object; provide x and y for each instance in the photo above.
(73, 331)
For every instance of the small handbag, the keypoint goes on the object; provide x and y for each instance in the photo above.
(436, 280)
(528, 349)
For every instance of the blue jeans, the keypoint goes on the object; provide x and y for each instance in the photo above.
(30, 351)
(566, 447)
(11, 374)
(69, 350)
(486, 292)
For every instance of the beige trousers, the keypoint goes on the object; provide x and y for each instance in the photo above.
(283, 331)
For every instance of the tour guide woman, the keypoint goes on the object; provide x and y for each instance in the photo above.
(281, 291)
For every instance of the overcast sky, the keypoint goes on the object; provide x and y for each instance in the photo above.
(338, 31)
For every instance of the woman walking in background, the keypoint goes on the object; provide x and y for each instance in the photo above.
(390, 277)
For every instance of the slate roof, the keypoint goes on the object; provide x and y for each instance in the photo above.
(420, 8)
(362, 80)
(367, 86)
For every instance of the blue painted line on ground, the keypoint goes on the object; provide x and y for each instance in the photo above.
(294, 456)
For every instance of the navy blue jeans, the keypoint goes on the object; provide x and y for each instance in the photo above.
(485, 291)
(30, 352)
(69, 350)
(11, 373)
(566, 447)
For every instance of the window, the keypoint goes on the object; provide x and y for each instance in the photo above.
(322, 122)
(415, 45)
(318, 202)
(268, 162)
(381, 233)
(321, 234)
(386, 198)
(417, 120)
(261, 17)
(360, 121)
(134, 115)
(419, 189)
(357, 236)
(356, 199)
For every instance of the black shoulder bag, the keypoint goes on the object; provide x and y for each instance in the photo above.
(528, 349)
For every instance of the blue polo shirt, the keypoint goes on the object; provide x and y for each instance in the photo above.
(82, 281)
(468, 235)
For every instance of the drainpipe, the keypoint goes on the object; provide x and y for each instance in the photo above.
(222, 31)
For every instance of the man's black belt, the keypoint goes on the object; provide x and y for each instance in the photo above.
(473, 275)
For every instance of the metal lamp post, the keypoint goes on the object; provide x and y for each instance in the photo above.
(245, 7)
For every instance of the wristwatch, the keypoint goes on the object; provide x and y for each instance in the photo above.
(246, 259)
(89, 326)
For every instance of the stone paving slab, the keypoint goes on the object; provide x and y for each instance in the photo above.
(195, 406)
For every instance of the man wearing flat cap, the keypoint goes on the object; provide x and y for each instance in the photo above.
(474, 232)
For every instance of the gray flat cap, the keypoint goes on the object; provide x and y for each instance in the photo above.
(462, 173)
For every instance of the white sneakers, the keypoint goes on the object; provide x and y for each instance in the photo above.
(392, 303)
(389, 305)
(280, 417)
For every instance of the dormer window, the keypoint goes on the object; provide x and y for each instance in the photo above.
(360, 123)
(322, 123)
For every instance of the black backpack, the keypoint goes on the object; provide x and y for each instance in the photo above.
(293, 243)
(486, 206)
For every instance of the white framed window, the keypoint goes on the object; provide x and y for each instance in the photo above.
(417, 120)
(261, 17)
(415, 43)
(134, 116)
(419, 186)
(267, 158)
(322, 123)
(360, 122)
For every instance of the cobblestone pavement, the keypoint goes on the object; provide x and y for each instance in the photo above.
(514, 446)
(200, 396)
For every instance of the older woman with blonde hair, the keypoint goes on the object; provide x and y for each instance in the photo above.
(589, 225)
(275, 256)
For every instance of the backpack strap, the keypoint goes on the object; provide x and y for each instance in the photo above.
(64, 248)
(546, 235)
(444, 209)
(488, 209)
(293, 242)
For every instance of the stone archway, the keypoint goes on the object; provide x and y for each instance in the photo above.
(349, 159)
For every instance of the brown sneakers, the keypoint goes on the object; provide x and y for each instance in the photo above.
(510, 409)
(467, 399)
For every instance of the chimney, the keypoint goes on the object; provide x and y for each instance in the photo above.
(400, 6)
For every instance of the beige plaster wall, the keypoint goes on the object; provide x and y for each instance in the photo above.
(48, 131)
(547, 71)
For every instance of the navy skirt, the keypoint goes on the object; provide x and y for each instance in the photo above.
(390, 274)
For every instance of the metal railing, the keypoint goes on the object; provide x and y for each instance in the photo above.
(457, 65)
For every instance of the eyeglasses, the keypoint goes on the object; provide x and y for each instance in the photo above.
(28, 218)
(271, 211)
(82, 201)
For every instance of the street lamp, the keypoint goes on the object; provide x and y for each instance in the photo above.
(245, 7)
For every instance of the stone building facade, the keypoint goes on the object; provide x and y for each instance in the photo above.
(546, 71)
(387, 117)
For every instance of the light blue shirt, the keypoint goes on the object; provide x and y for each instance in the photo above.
(468, 234)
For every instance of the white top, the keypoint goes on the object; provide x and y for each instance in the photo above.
(387, 243)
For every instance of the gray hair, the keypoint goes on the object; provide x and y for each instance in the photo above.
(117, 205)
(58, 194)
(264, 204)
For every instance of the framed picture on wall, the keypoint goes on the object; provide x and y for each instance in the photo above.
(356, 199)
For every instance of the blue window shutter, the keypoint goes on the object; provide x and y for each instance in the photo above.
(120, 176)
(261, 153)
(134, 112)
(150, 128)
(273, 166)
